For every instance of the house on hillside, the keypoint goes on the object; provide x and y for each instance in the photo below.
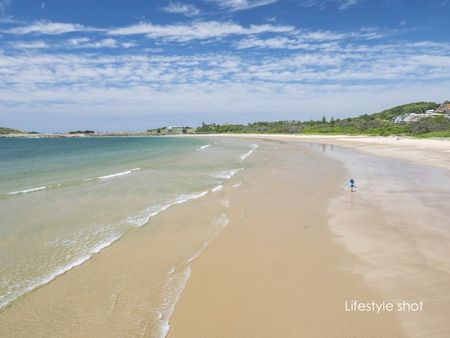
(408, 118)
(444, 108)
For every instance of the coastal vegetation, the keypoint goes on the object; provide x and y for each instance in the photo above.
(381, 123)
(419, 119)
(82, 132)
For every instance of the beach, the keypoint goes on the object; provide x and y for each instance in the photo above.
(276, 271)
(277, 248)
(399, 244)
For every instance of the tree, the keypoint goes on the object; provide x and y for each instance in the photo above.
(324, 119)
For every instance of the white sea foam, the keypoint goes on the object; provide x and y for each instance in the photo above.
(248, 153)
(100, 246)
(186, 197)
(26, 191)
(123, 173)
(217, 188)
(9, 297)
(137, 221)
(177, 282)
(204, 147)
(227, 174)
(237, 185)
(222, 220)
(146, 215)
(115, 175)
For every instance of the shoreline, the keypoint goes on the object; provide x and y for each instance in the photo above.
(430, 152)
(124, 288)
(250, 135)
(167, 247)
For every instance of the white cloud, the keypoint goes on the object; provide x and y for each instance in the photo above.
(29, 44)
(238, 5)
(79, 41)
(181, 8)
(48, 28)
(129, 44)
(75, 43)
(88, 43)
(342, 4)
(308, 40)
(197, 30)
(200, 30)
(364, 65)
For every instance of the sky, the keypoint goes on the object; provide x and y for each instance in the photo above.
(139, 64)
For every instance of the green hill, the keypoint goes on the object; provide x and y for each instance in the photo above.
(417, 107)
(4, 131)
(380, 123)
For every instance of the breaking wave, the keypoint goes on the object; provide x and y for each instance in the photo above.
(248, 153)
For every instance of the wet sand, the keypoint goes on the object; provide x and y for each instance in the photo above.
(128, 289)
(430, 152)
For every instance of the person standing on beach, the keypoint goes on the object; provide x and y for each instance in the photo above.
(352, 185)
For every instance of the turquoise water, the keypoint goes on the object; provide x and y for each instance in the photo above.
(30, 163)
(64, 200)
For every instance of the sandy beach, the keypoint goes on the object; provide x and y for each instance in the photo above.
(279, 251)
(396, 230)
(277, 271)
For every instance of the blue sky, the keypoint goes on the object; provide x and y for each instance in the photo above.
(132, 65)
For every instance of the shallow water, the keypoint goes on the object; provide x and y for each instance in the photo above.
(64, 200)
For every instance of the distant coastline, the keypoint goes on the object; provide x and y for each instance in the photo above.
(419, 119)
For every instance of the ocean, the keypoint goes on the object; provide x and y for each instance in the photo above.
(64, 200)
